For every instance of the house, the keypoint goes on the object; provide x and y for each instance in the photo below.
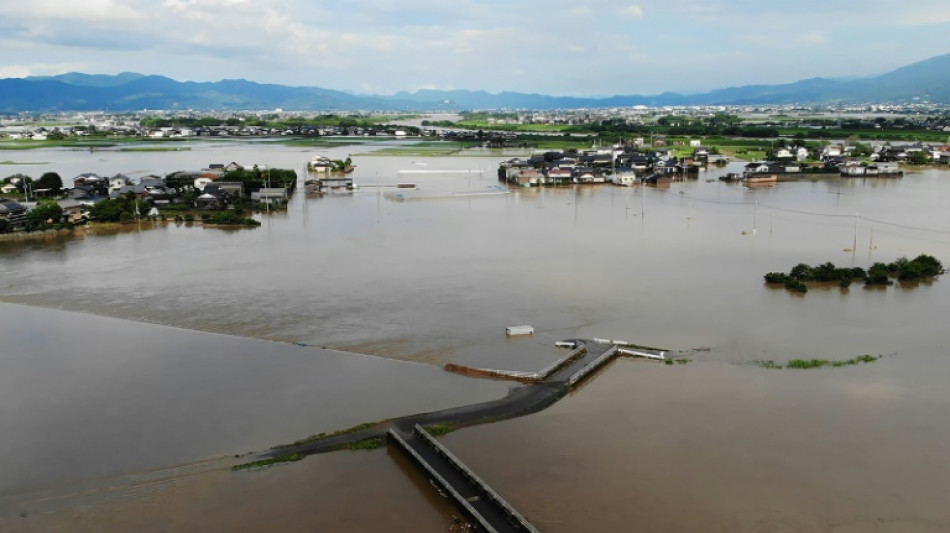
(160, 195)
(208, 200)
(783, 153)
(559, 176)
(320, 165)
(624, 176)
(832, 150)
(894, 153)
(234, 189)
(83, 192)
(525, 177)
(117, 182)
(203, 180)
(666, 166)
(74, 211)
(88, 178)
(151, 181)
(270, 195)
(586, 175)
(886, 167)
(13, 213)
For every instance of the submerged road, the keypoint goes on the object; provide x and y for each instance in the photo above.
(520, 401)
(485, 507)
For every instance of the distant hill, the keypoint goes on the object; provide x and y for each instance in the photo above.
(927, 80)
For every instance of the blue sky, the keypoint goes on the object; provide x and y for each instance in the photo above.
(556, 47)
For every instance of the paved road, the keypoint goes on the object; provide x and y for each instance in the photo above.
(520, 401)
(479, 501)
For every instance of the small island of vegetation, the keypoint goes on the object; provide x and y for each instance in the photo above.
(804, 364)
(879, 274)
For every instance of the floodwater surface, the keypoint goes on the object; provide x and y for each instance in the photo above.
(716, 442)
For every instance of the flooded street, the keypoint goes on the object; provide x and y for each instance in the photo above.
(155, 346)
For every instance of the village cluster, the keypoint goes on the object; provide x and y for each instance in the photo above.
(634, 162)
(217, 187)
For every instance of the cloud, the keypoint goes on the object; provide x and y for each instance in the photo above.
(923, 17)
(582, 11)
(40, 69)
(813, 38)
(477, 44)
(87, 10)
(632, 11)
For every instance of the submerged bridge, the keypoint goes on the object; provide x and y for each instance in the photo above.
(485, 507)
(480, 502)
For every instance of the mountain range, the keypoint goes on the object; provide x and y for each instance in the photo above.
(924, 81)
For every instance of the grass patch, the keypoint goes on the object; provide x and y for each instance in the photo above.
(425, 148)
(524, 128)
(679, 361)
(322, 142)
(437, 430)
(371, 443)
(155, 149)
(323, 436)
(818, 363)
(264, 463)
(804, 364)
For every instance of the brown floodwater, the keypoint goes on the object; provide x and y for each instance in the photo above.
(716, 444)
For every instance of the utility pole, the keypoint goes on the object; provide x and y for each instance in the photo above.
(854, 246)
(755, 212)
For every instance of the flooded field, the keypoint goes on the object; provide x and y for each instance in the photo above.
(716, 443)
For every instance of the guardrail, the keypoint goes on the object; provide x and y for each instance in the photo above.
(639, 353)
(442, 482)
(550, 369)
(514, 516)
(590, 367)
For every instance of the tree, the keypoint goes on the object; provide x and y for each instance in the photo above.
(918, 158)
(50, 180)
(861, 150)
(111, 210)
(46, 212)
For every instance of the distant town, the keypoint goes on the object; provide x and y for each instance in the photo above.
(622, 146)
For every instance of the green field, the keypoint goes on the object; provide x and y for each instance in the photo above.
(155, 149)
(424, 149)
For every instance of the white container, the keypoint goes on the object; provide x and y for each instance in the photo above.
(519, 330)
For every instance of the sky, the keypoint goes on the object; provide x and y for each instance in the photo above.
(555, 47)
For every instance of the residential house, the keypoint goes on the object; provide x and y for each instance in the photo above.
(74, 211)
(559, 176)
(13, 213)
(87, 178)
(83, 192)
(624, 176)
(117, 182)
(832, 150)
(270, 195)
(207, 200)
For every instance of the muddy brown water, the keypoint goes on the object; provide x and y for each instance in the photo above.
(191, 371)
